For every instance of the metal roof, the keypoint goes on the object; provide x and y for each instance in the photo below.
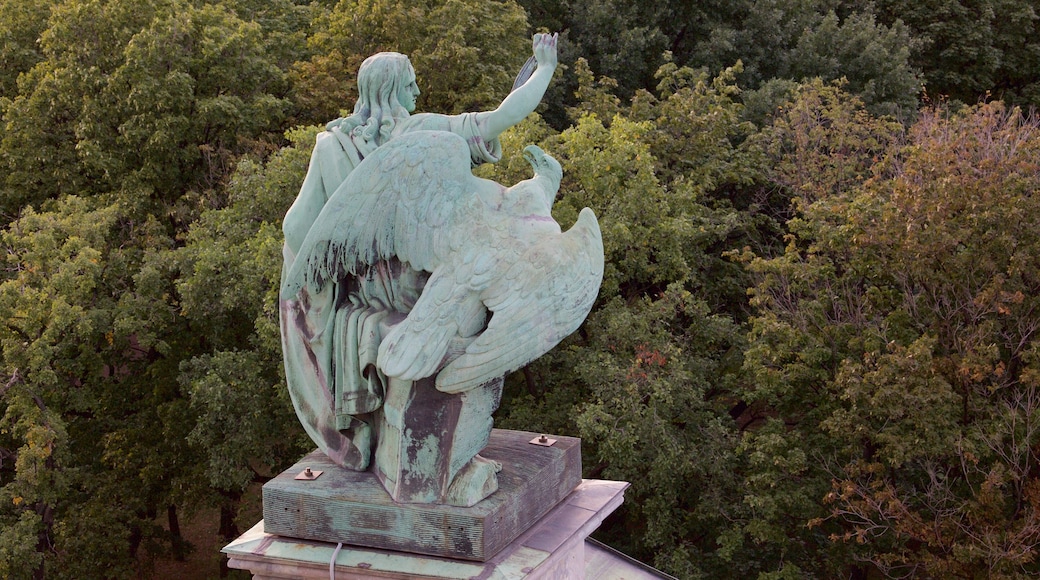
(605, 563)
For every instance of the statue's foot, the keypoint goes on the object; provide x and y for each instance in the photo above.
(474, 482)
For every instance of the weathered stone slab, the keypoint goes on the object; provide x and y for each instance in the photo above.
(554, 548)
(353, 508)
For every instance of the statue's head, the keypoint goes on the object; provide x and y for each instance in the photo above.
(386, 92)
(386, 82)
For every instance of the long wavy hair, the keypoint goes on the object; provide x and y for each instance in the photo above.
(379, 79)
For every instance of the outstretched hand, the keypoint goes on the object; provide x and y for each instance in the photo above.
(527, 91)
(544, 46)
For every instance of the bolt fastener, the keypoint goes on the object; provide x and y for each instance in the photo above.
(543, 441)
(308, 474)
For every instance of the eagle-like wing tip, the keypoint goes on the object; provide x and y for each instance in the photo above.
(587, 218)
(499, 350)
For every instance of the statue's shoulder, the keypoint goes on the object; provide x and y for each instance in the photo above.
(416, 156)
(332, 139)
(422, 122)
(465, 125)
(324, 138)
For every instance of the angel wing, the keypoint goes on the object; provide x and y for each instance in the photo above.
(485, 247)
(451, 306)
(538, 301)
(391, 205)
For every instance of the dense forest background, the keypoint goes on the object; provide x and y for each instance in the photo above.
(815, 350)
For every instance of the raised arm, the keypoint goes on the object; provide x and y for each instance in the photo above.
(523, 100)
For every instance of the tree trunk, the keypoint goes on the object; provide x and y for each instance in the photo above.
(228, 529)
(179, 544)
(43, 541)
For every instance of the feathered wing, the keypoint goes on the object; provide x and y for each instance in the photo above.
(393, 204)
(538, 301)
(450, 307)
(415, 199)
(417, 346)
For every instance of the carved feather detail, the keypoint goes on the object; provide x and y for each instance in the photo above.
(487, 249)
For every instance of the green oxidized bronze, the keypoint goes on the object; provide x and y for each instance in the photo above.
(410, 287)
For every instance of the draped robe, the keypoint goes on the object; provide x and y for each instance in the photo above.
(330, 338)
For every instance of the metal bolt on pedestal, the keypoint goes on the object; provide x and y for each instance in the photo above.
(308, 474)
(543, 441)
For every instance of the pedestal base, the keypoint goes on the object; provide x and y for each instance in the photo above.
(353, 507)
(552, 548)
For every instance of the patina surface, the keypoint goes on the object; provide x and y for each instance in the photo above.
(411, 287)
(352, 507)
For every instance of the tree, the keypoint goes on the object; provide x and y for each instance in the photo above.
(148, 100)
(968, 286)
(625, 40)
(823, 146)
(81, 45)
(894, 345)
(194, 87)
(971, 49)
(465, 53)
(872, 411)
(647, 381)
(229, 272)
(20, 25)
(87, 392)
(775, 41)
(120, 136)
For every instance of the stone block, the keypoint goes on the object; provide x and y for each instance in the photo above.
(554, 548)
(353, 507)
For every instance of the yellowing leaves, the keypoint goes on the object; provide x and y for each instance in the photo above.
(908, 300)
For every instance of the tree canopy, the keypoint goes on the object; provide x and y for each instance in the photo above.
(812, 354)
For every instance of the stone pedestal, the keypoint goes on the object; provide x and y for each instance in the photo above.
(552, 548)
(429, 440)
(353, 507)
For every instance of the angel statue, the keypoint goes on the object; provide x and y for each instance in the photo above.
(410, 287)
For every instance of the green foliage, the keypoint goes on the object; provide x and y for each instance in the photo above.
(228, 284)
(823, 143)
(80, 47)
(19, 557)
(624, 40)
(873, 59)
(871, 411)
(85, 388)
(894, 339)
(21, 23)
(811, 317)
(193, 85)
(654, 370)
(778, 40)
(602, 163)
(774, 39)
(465, 53)
(691, 166)
(127, 121)
(154, 99)
(647, 381)
(969, 49)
